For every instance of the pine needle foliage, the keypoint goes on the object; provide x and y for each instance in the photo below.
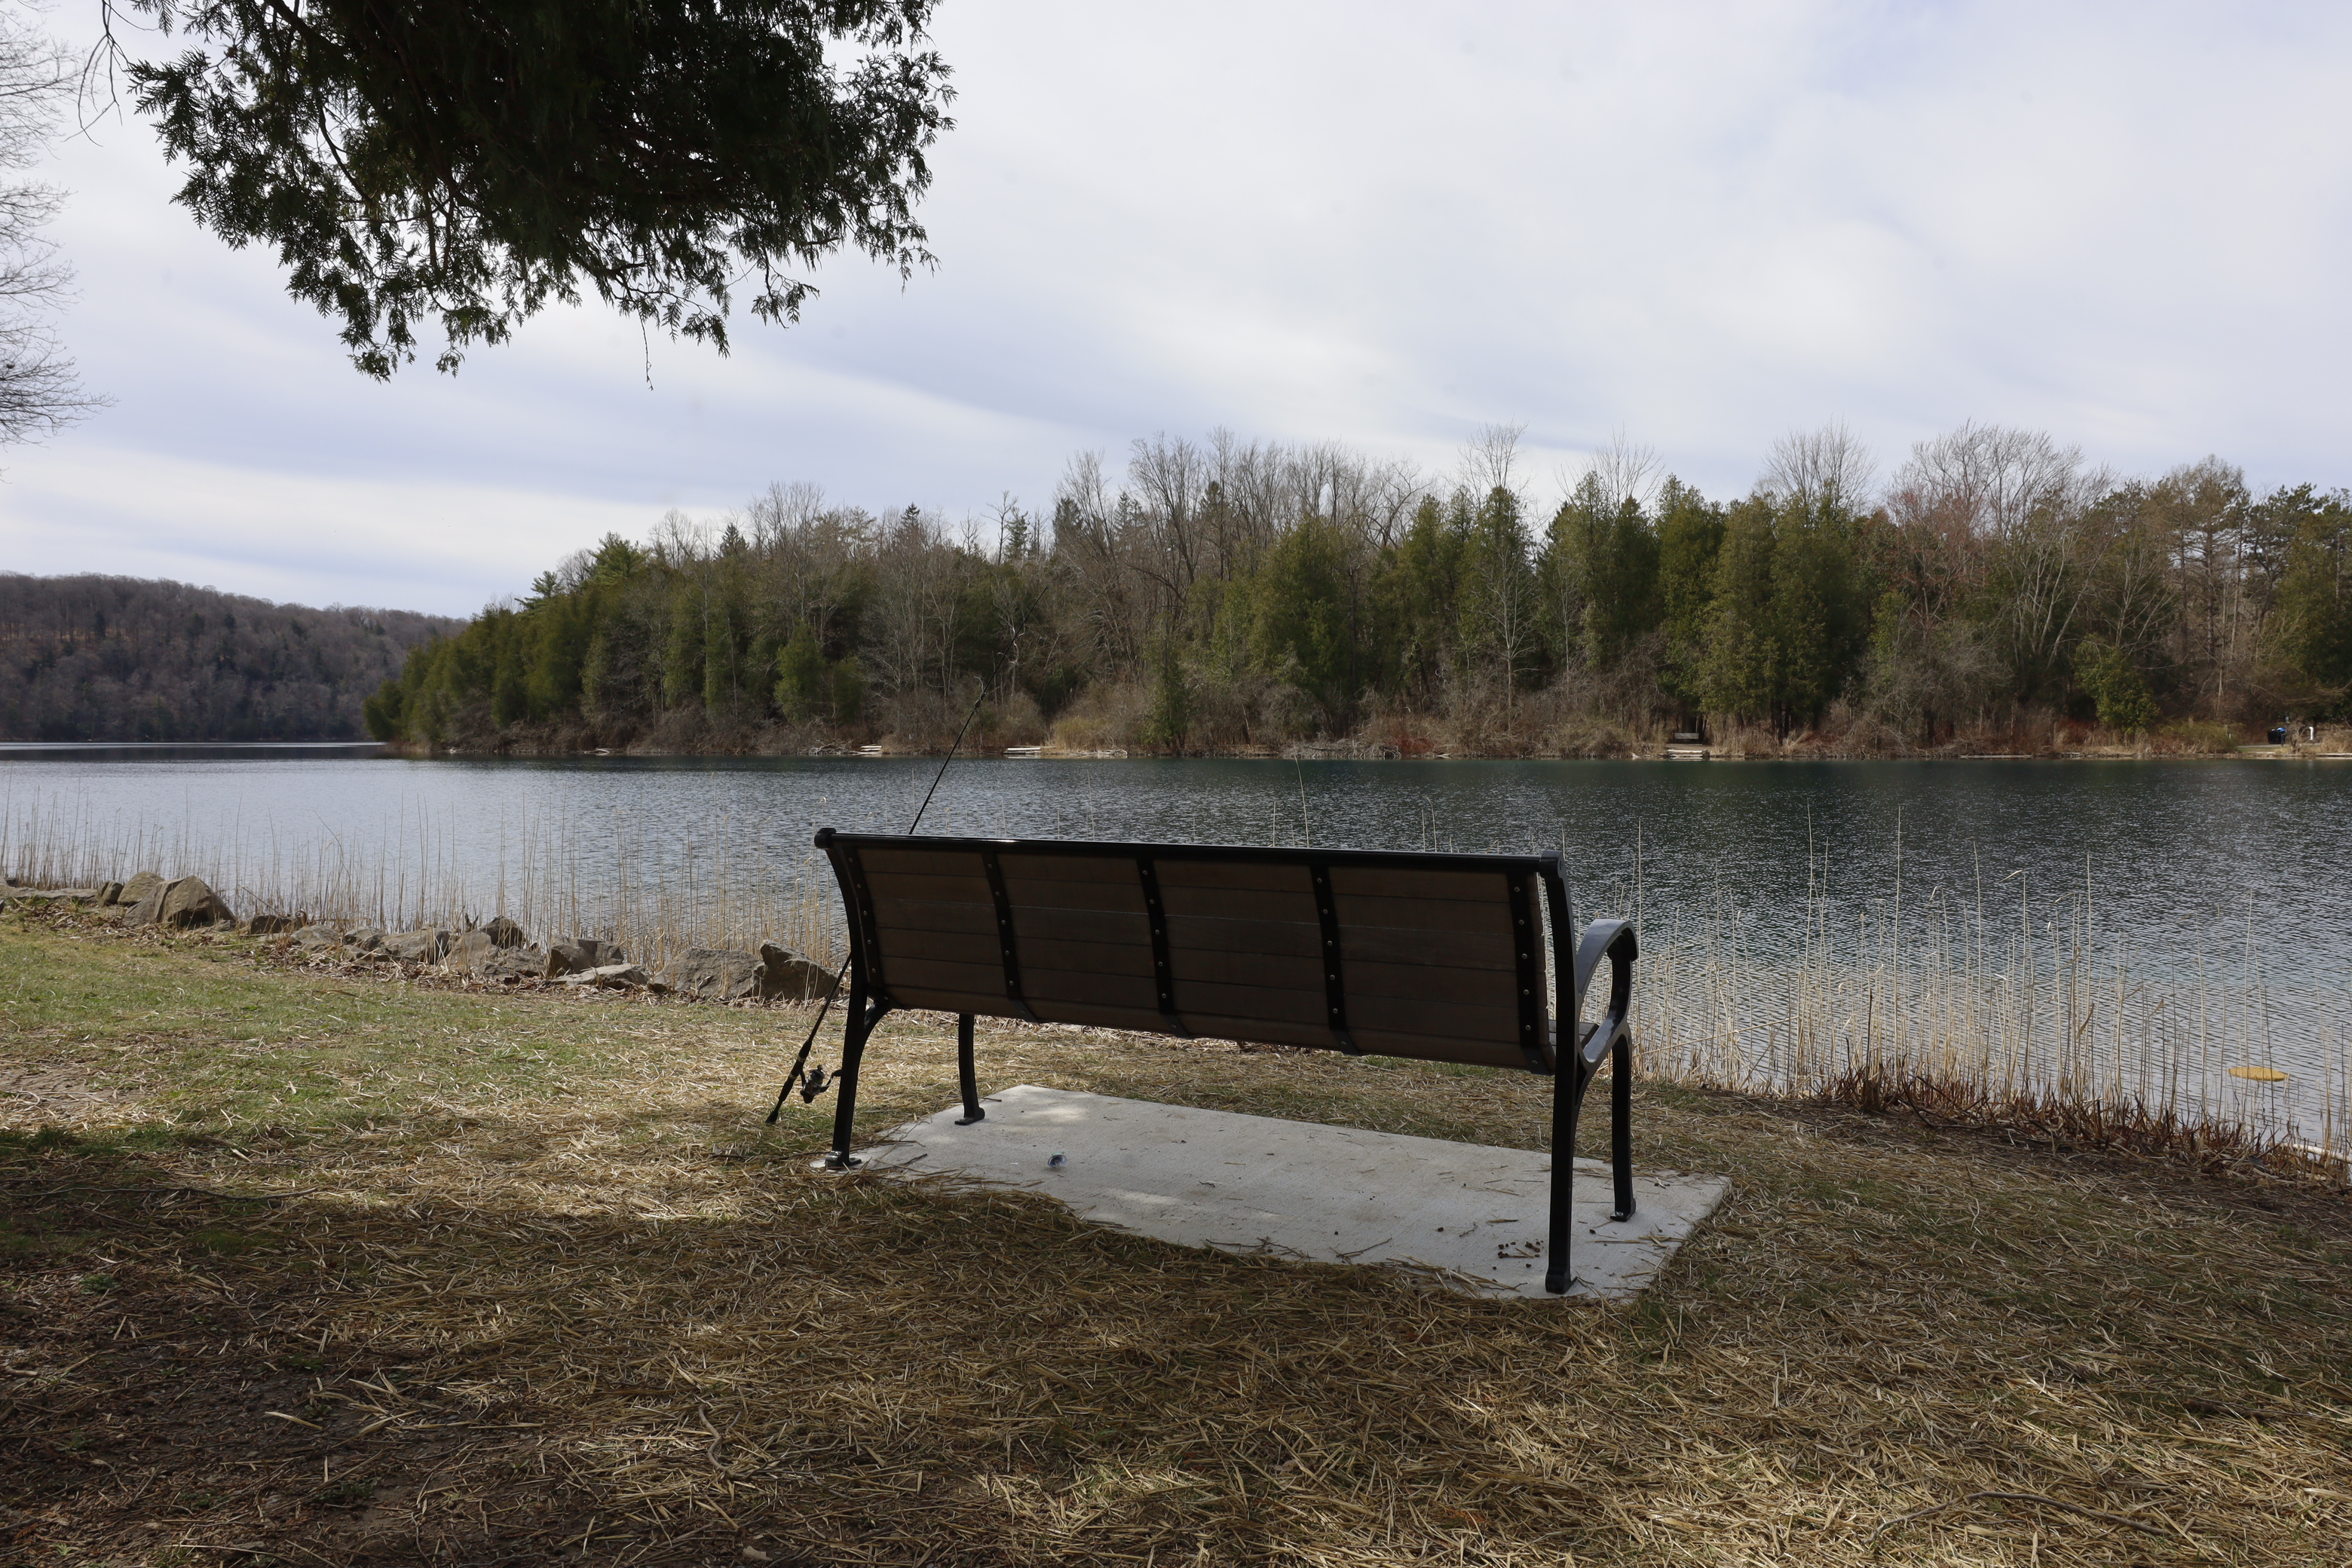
(468, 161)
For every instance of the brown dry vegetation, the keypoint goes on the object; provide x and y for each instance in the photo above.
(307, 1267)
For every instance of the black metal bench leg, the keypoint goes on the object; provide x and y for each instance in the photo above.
(854, 1029)
(1620, 1122)
(968, 1079)
(1567, 1098)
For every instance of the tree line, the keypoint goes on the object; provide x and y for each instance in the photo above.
(1227, 594)
(121, 659)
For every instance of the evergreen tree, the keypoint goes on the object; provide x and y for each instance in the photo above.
(1690, 539)
(802, 682)
(1503, 628)
(462, 163)
(1741, 668)
(1299, 627)
(682, 680)
(2313, 617)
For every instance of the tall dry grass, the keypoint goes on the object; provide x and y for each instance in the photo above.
(2003, 1004)
(656, 900)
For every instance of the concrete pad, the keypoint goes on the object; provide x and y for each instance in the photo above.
(1464, 1215)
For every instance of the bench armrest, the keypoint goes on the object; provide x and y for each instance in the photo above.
(1613, 940)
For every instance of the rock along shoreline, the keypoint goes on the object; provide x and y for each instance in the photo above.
(498, 949)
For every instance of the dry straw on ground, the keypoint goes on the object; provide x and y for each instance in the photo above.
(510, 1312)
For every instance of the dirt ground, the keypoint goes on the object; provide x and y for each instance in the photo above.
(301, 1265)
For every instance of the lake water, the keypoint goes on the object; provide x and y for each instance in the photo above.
(2228, 876)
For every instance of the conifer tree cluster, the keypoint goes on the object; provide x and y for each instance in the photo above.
(1234, 594)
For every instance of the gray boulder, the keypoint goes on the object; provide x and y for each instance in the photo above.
(579, 954)
(470, 950)
(516, 963)
(32, 896)
(367, 939)
(276, 925)
(134, 891)
(725, 974)
(477, 952)
(719, 973)
(502, 931)
(313, 937)
(111, 893)
(610, 976)
(791, 977)
(430, 945)
(190, 903)
(181, 902)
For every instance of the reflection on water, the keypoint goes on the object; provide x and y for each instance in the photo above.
(2141, 875)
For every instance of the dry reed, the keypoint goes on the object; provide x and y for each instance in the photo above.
(1946, 1004)
(656, 902)
(2033, 1020)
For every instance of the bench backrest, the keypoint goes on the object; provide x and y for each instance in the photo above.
(1441, 957)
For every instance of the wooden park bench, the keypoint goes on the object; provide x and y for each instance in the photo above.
(1433, 957)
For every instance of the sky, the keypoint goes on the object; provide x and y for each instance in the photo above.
(1696, 227)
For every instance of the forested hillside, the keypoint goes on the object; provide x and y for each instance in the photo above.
(1231, 596)
(123, 658)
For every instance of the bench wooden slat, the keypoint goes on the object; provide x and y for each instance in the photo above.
(1286, 970)
(1238, 876)
(1256, 1031)
(1389, 882)
(1439, 1048)
(1496, 1022)
(961, 947)
(1037, 893)
(1032, 925)
(1378, 946)
(988, 1004)
(1147, 1020)
(1201, 938)
(1212, 934)
(1092, 957)
(1423, 914)
(1220, 904)
(1378, 984)
(935, 974)
(1036, 867)
(930, 888)
(887, 860)
(1044, 985)
(1372, 982)
(908, 914)
(1280, 1003)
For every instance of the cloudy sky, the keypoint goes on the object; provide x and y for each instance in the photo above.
(1387, 225)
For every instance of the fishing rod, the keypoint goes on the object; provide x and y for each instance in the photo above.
(813, 1082)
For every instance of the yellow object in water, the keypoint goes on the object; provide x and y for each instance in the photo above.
(2260, 1075)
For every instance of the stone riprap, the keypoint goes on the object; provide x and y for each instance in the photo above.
(497, 948)
(480, 953)
(613, 977)
(181, 902)
(579, 954)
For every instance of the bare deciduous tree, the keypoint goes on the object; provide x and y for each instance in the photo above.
(1825, 467)
(1490, 459)
(1992, 480)
(1623, 470)
(39, 394)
